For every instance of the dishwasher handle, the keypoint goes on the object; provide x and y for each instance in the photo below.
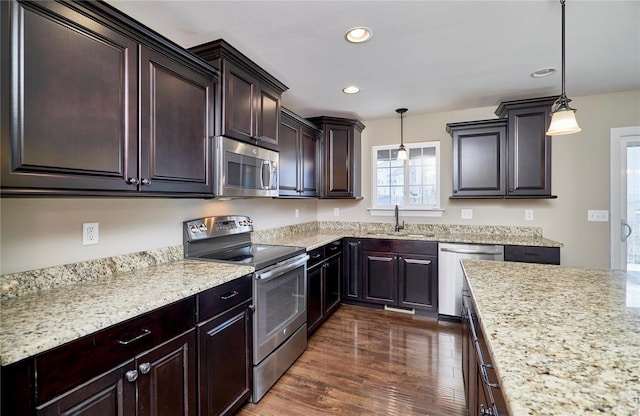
(474, 252)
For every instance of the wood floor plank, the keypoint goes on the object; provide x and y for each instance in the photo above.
(372, 362)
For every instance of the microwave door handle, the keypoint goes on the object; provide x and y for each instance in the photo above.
(266, 165)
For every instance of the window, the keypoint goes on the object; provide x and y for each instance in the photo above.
(412, 184)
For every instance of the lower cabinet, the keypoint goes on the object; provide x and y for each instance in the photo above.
(224, 361)
(400, 273)
(157, 382)
(324, 282)
(190, 357)
(531, 254)
(482, 390)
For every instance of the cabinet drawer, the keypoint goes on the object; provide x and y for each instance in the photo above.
(78, 361)
(315, 256)
(220, 298)
(531, 254)
(333, 248)
(400, 246)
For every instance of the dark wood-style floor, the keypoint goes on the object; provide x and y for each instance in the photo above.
(372, 362)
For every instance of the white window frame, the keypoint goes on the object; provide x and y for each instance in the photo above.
(411, 210)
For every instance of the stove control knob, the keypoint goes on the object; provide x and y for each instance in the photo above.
(194, 229)
(202, 228)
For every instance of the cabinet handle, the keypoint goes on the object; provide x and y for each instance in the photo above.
(133, 181)
(251, 308)
(146, 181)
(144, 368)
(510, 190)
(230, 295)
(528, 253)
(145, 332)
(316, 256)
(131, 375)
(333, 248)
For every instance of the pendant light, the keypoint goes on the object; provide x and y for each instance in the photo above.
(402, 152)
(563, 117)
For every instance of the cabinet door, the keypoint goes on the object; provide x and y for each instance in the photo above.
(314, 298)
(479, 161)
(418, 281)
(176, 112)
(529, 152)
(332, 283)
(289, 158)
(352, 270)
(268, 117)
(224, 361)
(109, 394)
(380, 275)
(239, 99)
(167, 378)
(309, 153)
(69, 102)
(338, 154)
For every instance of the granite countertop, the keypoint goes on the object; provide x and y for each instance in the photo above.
(37, 322)
(564, 340)
(313, 239)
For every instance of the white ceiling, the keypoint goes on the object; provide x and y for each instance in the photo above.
(427, 56)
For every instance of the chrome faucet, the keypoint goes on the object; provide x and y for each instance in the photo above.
(398, 226)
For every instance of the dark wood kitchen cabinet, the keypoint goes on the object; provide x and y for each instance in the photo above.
(136, 367)
(352, 270)
(224, 353)
(400, 273)
(298, 156)
(479, 158)
(324, 283)
(340, 152)
(508, 157)
(76, 75)
(532, 254)
(250, 96)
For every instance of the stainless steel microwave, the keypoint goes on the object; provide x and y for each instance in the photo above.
(245, 170)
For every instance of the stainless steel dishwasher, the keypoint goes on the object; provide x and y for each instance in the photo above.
(450, 275)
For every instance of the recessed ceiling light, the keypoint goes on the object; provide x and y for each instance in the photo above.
(358, 34)
(544, 72)
(351, 89)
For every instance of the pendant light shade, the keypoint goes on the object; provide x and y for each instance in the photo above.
(563, 117)
(402, 152)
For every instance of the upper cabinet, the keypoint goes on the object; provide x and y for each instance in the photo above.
(340, 148)
(97, 104)
(298, 156)
(508, 157)
(250, 97)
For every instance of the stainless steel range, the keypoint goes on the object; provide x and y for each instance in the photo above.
(279, 290)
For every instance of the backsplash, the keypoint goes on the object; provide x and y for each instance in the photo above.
(18, 284)
(329, 226)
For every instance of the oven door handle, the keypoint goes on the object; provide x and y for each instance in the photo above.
(281, 269)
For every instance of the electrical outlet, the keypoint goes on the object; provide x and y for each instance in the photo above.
(466, 213)
(90, 233)
(336, 212)
(297, 213)
(528, 214)
(598, 215)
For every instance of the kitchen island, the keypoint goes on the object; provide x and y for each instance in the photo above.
(564, 340)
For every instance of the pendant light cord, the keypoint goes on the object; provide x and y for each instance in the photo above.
(564, 95)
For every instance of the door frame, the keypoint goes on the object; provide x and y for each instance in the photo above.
(618, 136)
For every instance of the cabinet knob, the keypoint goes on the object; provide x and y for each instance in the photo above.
(144, 368)
(133, 181)
(131, 375)
(252, 308)
(455, 191)
(511, 190)
(146, 181)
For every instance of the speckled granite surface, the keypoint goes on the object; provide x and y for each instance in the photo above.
(18, 284)
(565, 340)
(39, 321)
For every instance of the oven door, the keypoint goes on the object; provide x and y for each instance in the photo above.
(245, 170)
(279, 295)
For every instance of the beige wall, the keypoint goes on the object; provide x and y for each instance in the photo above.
(580, 176)
(39, 233)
